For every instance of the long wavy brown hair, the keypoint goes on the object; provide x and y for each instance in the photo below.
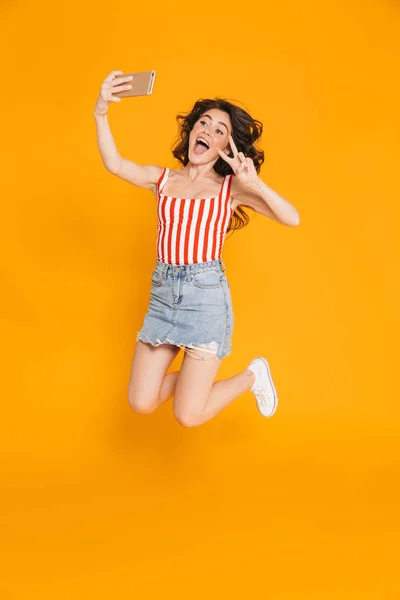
(246, 131)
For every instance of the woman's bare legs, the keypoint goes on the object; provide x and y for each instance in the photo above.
(224, 389)
(197, 396)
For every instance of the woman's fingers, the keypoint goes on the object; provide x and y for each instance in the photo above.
(250, 165)
(120, 80)
(116, 84)
(239, 163)
(111, 76)
(240, 160)
(113, 80)
(112, 86)
(226, 158)
(233, 146)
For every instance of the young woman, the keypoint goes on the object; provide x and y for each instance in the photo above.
(190, 302)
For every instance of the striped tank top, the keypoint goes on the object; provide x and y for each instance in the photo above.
(192, 230)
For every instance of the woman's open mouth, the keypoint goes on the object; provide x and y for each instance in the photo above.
(200, 146)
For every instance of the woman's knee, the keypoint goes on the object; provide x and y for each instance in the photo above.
(140, 404)
(186, 417)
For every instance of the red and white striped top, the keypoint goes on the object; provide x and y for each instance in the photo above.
(192, 230)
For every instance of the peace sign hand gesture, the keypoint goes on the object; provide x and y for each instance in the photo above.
(242, 166)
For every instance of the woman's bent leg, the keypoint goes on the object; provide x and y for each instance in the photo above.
(198, 397)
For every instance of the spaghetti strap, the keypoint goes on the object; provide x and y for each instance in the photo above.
(162, 180)
(228, 193)
(226, 188)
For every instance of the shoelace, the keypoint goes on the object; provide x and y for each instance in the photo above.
(263, 395)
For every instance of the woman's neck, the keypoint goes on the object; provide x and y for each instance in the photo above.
(195, 172)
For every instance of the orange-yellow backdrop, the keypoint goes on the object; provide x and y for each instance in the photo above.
(98, 502)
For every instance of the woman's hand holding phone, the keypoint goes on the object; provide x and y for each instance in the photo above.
(110, 86)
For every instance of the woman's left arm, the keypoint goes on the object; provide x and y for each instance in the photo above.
(257, 195)
(248, 189)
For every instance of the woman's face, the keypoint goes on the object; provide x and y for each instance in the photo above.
(210, 132)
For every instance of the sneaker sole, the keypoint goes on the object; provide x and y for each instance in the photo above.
(260, 407)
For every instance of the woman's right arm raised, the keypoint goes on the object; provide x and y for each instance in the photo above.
(146, 176)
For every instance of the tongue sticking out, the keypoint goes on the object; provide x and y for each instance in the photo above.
(200, 148)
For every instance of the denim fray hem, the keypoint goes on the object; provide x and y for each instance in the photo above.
(210, 348)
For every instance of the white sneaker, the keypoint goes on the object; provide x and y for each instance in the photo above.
(263, 387)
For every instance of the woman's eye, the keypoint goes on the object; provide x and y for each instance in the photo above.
(219, 131)
(203, 123)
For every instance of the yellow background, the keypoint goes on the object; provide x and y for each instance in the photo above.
(98, 502)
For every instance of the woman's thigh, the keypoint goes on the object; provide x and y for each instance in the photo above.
(149, 366)
(193, 387)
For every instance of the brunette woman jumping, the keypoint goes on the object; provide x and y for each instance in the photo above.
(190, 305)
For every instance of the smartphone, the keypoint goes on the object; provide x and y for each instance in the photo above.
(142, 84)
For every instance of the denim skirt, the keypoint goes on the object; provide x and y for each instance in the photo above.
(190, 306)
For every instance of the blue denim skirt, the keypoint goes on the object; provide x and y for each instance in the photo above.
(190, 306)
